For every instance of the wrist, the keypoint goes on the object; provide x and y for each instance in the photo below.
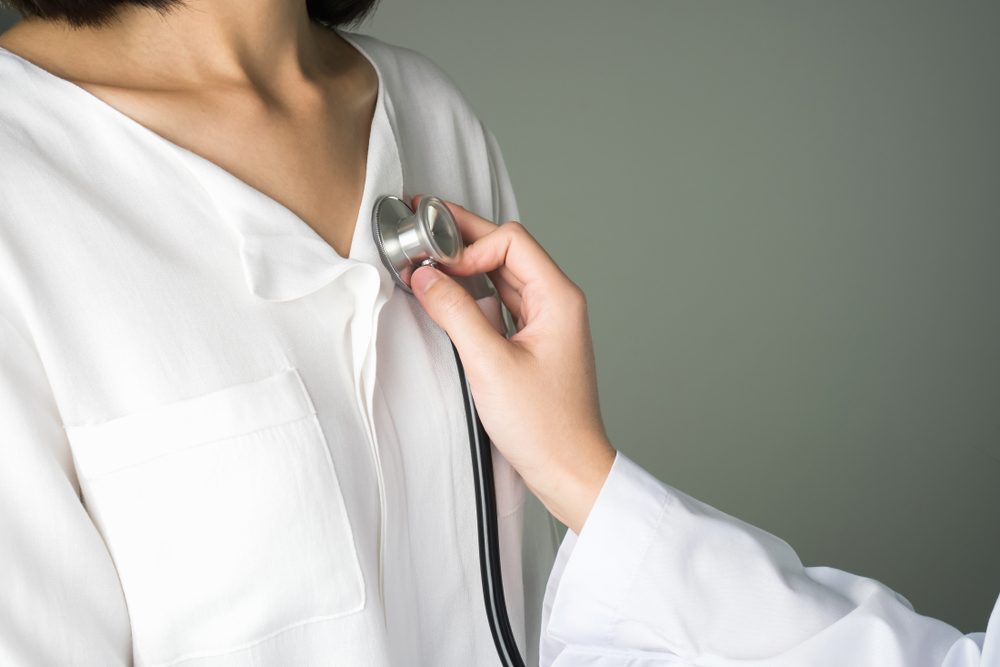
(569, 488)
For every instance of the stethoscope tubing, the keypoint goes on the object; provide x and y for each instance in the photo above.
(406, 239)
(489, 541)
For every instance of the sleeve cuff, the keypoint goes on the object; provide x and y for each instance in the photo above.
(595, 570)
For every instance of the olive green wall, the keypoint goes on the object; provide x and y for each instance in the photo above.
(786, 216)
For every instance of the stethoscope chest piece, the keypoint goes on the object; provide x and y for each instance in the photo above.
(408, 239)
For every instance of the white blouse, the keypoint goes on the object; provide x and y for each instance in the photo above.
(222, 443)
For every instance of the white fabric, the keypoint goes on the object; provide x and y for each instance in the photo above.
(656, 577)
(221, 443)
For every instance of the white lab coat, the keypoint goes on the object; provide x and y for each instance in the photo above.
(221, 443)
(656, 577)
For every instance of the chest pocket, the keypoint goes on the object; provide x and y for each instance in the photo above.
(224, 517)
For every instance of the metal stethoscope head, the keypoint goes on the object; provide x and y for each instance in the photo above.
(408, 239)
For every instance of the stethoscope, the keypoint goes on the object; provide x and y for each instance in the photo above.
(406, 240)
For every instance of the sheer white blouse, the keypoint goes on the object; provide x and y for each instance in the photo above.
(223, 443)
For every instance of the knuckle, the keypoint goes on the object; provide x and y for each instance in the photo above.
(576, 297)
(576, 292)
(514, 227)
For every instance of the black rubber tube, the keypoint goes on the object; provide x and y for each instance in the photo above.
(489, 542)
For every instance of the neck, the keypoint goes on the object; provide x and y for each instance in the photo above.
(262, 43)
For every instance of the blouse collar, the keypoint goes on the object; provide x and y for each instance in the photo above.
(283, 258)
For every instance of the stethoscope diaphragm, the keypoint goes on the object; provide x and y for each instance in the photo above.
(408, 239)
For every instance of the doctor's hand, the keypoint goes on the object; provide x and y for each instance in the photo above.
(536, 392)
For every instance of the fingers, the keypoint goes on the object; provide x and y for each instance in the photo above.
(510, 298)
(508, 248)
(455, 311)
(473, 227)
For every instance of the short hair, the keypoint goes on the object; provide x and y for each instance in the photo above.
(96, 13)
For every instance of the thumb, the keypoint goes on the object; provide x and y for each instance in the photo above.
(455, 311)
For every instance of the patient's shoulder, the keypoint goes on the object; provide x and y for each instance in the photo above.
(16, 93)
(414, 79)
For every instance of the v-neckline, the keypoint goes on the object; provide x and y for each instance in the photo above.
(378, 122)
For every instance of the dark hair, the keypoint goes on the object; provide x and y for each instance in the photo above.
(80, 13)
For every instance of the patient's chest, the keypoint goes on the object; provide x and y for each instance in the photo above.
(260, 467)
(269, 438)
(303, 143)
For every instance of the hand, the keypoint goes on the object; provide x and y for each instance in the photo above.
(536, 392)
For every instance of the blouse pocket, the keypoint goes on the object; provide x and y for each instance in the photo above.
(224, 517)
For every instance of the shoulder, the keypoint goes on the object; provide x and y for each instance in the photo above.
(414, 81)
(17, 93)
(432, 117)
(401, 61)
(35, 143)
(19, 116)
(22, 117)
(13, 78)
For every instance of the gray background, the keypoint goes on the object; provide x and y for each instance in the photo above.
(786, 218)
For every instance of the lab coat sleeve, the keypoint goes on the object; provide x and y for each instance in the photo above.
(60, 599)
(656, 577)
